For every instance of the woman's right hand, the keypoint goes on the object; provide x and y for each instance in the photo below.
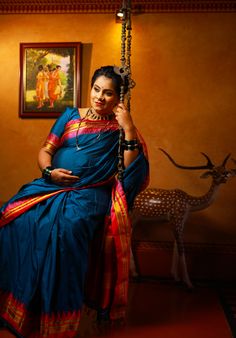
(62, 176)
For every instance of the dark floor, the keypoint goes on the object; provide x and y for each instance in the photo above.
(161, 309)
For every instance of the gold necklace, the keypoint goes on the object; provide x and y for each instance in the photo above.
(96, 116)
(90, 113)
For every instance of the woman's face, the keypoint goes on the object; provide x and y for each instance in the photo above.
(103, 97)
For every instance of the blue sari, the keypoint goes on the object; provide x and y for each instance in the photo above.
(49, 233)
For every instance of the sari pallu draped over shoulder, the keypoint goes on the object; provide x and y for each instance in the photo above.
(110, 242)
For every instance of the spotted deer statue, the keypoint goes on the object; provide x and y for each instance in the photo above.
(175, 205)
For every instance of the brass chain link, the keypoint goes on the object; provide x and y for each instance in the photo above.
(125, 72)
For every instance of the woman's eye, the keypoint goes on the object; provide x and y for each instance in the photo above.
(96, 89)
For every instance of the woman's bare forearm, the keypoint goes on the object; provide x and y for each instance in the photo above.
(44, 159)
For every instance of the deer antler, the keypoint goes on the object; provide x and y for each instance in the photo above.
(209, 164)
(225, 160)
(233, 171)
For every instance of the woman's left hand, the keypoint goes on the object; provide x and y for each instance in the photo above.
(124, 118)
(125, 121)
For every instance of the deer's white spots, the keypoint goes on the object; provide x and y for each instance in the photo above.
(154, 201)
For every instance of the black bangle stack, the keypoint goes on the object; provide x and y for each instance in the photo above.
(131, 144)
(46, 173)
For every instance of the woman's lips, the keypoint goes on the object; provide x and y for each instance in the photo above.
(99, 104)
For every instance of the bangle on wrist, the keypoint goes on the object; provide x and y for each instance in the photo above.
(131, 144)
(46, 173)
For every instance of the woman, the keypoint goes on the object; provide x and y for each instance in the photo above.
(40, 80)
(54, 86)
(77, 212)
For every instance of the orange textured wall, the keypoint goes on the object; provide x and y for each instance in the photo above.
(184, 66)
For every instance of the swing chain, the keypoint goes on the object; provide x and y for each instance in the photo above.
(125, 72)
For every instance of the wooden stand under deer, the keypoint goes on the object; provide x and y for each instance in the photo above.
(175, 206)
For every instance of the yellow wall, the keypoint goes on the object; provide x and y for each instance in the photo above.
(184, 101)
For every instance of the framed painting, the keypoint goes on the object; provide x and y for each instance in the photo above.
(49, 78)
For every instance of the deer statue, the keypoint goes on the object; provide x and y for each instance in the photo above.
(175, 205)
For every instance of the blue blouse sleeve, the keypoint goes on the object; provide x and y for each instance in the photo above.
(59, 125)
(53, 140)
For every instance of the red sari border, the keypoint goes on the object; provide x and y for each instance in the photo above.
(87, 127)
(121, 232)
(56, 325)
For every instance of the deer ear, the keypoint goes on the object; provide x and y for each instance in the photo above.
(206, 174)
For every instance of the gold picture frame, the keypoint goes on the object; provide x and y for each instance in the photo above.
(49, 78)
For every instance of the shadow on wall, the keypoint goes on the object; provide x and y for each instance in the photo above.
(85, 71)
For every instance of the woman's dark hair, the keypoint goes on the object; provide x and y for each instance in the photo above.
(108, 71)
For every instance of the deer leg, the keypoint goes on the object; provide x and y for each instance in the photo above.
(184, 271)
(179, 252)
(175, 263)
(182, 261)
